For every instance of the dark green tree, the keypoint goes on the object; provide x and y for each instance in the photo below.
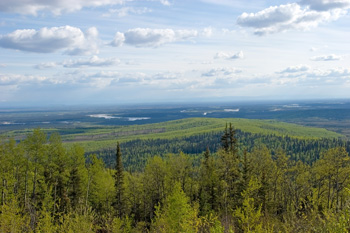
(208, 192)
(224, 140)
(77, 176)
(228, 140)
(119, 183)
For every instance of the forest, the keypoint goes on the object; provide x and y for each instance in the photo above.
(243, 182)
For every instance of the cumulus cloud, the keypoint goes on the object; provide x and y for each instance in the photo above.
(325, 5)
(269, 17)
(118, 40)
(285, 17)
(221, 72)
(93, 61)
(331, 57)
(229, 56)
(48, 40)
(295, 69)
(146, 37)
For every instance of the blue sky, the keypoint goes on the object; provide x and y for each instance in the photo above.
(129, 51)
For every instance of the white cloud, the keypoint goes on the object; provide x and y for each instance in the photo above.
(332, 73)
(48, 40)
(15, 79)
(46, 65)
(221, 72)
(331, 57)
(285, 17)
(295, 69)
(229, 56)
(313, 78)
(32, 7)
(340, 72)
(325, 5)
(118, 40)
(167, 76)
(165, 2)
(57, 7)
(2, 65)
(146, 37)
(207, 32)
(269, 17)
(93, 61)
(125, 11)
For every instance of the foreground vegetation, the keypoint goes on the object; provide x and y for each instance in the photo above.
(47, 187)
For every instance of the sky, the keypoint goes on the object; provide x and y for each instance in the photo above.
(75, 52)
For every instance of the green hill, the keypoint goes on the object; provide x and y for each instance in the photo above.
(97, 138)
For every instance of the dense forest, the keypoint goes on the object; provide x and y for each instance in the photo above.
(137, 152)
(241, 183)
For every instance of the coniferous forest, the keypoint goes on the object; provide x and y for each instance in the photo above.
(247, 183)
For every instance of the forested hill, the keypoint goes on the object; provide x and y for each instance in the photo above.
(254, 182)
(97, 138)
(194, 135)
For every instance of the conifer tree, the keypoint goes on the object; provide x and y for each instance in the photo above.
(228, 140)
(208, 184)
(118, 205)
(232, 140)
(224, 140)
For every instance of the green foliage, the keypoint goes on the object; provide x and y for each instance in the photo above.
(101, 190)
(78, 176)
(11, 219)
(274, 184)
(249, 215)
(119, 184)
(77, 222)
(177, 215)
(209, 181)
(335, 222)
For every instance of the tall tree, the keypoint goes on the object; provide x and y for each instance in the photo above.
(209, 181)
(224, 140)
(228, 140)
(78, 176)
(36, 149)
(118, 205)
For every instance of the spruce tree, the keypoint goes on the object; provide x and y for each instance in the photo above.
(232, 140)
(224, 140)
(118, 205)
(228, 140)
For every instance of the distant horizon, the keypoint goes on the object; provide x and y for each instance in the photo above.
(211, 103)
